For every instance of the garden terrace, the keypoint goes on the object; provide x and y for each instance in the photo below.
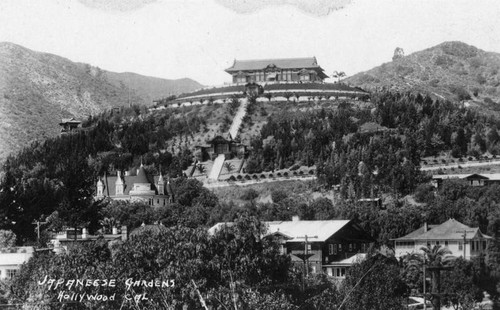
(275, 89)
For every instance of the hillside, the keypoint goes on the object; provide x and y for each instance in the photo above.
(151, 88)
(453, 70)
(38, 89)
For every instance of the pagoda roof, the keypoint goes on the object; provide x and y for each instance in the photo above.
(281, 63)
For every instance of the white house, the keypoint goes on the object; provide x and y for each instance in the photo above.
(11, 260)
(459, 238)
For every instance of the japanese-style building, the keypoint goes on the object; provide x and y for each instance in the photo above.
(136, 186)
(283, 69)
(69, 124)
(220, 145)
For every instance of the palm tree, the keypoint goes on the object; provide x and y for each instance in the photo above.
(201, 168)
(432, 258)
(338, 75)
(229, 167)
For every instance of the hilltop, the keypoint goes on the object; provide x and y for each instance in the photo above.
(451, 70)
(38, 89)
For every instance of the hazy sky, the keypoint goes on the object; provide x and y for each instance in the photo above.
(201, 38)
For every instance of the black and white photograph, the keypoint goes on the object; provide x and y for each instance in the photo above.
(249, 154)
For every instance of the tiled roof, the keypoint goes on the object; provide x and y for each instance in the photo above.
(449, 230)
(283, 63)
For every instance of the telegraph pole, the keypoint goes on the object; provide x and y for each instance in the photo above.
(38, 223)
(306, 256)
(465, 237)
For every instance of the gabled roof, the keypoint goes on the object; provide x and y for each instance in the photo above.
(294, 231)
(483, 176)
(449, 230)
(298, 229)
(281, 63)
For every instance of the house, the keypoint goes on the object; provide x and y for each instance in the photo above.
(474, 179)
(283, 69)
(330, 246)
(11, 260)
(220, 145)
(63, 240)
(69, 124)
(459, 238)
(136, 186)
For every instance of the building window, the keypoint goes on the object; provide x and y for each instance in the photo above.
(340, 247)
(342, 272)
(11, 273)
(329, 271)
(446, 243)
(334, 248)
(350, 247)
(330, 249)
(460, 246)
(309, 247)
(472, 246)
(484, 245)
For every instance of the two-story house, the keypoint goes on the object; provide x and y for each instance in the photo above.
(459, 238)
(330, 246)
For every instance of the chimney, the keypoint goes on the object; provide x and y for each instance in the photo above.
(425, 227)
(295, 218)
(124, 233)
(85, 233)
(115, 231)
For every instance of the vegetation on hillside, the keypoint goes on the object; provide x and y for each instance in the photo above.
(453, 70)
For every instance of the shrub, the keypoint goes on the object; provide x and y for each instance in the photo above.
(249, 194)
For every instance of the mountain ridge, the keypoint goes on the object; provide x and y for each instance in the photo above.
(452, 70)
(38, 89)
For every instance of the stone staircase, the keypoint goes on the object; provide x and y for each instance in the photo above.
(238, 118)
(217, 167)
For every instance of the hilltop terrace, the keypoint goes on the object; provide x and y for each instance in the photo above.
(298, 79)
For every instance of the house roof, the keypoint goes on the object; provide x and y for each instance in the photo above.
(483, 176)
(15, 256)
(141, 176)
(294, 231)
(109, 182)
(356, 258)
(69, 121)
(449, 230)
(281, 63)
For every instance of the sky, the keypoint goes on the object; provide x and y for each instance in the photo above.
(198, 39)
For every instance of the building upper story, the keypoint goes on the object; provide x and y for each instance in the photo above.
(459, 238)
(330, 246)
(283, 69)
(136, 186)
